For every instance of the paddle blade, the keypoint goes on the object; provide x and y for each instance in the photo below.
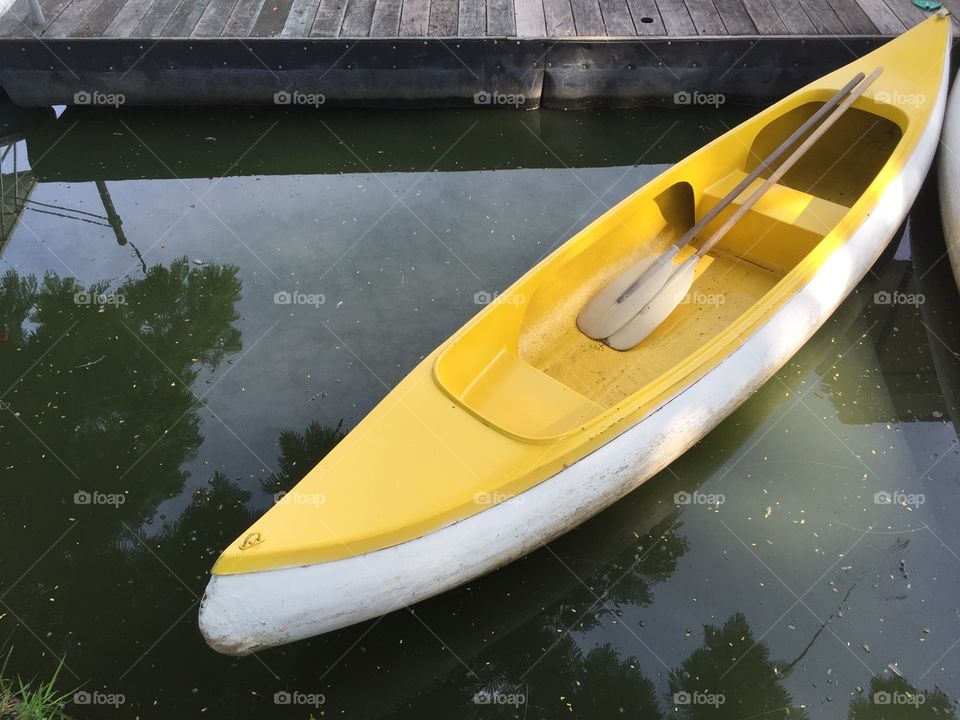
(603, 315)
(657, 310)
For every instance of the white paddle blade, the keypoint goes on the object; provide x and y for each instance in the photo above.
(603, 316)
(657, 310)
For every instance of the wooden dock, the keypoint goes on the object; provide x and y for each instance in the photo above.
(393, 52)
(459, 18)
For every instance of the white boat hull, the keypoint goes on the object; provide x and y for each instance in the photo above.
(243, 613)
(949, 179)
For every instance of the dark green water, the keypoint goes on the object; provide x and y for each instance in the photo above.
(145, 362)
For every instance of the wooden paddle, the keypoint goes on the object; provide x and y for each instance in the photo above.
(677, 284)
(622, 299)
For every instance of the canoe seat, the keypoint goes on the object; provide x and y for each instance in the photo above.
(779, 230)
(520, 399)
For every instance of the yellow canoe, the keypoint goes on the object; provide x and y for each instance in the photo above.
(519, 427)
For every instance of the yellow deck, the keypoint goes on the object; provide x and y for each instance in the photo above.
(519, 393)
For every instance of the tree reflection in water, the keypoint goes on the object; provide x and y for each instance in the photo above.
(730, 676)
(97, 403)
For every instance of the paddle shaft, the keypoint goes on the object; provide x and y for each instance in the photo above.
(670, 294)
(789, 162)
(757, 172)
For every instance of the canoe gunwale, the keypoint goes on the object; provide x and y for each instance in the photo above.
(948, 180)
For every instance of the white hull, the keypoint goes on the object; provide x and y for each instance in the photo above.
(243, 613)
(949, 179)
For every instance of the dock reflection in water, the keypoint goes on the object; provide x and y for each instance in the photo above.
(161, 397)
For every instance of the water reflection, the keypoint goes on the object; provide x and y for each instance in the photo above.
(299, 452)
(892, 696)
(937, 284)
(730, 676)
(162, 143)
(198, 399)
(119, 381)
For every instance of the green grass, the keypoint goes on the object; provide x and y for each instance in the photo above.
(31, 701)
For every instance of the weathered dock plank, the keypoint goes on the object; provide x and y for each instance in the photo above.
(471, 18)
(587, 18)
(705, 17)
(241, 20)
(154, 20)
(300, 20)
(559, 18)
(676, 19)
(531, 22)
(72, 15)
(646, 17)
(908, 13)
(414, 18)
(853, 17)
(329, 18)
(18, 21)
(386, 18)
(272, 18)
(461, 18)
(765, 17)
(794, 18)
(358, 19)
(127, 19)
(184, 18)
(735, 17)
(824, 19)
(13, 18)
(616, 18)
(214, 18)
(98, 18)
(444, 18)
(882, 16)
(52, 12)
(501, 20)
